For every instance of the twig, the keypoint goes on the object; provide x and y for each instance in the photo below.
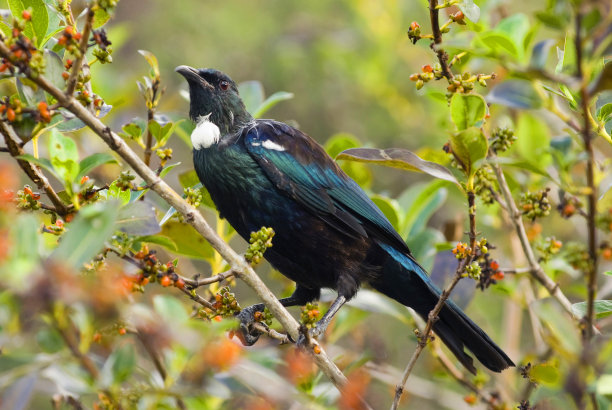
(592, 194)
(157, 363)
(238, 264)
(490, 400)
(535, 268)
(281, 337)
(150, 117)
(197, 298)
(32, 171)
(437, 39)
(76, 66)
(196, 283)
(425, 335)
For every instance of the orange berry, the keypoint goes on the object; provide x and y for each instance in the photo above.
(499, 275)
(122, 331)
(69, 217)
(179, 283)
(316, 349)
(77, 36)
(218, 318)
(414, 77)
(61, 41)
(68, 64)
(470, 398)
(258, 316)
(606, 253)
(166, 281)
(97, 337)
(414, 25)
(65, 75)
(569, 209)
(26, 15)
(84, 179)
(494, 265)
(459, 15)
(69, 30)
(10, 115)
(27, 190)
(427, 68)
(59, 223)
(144, 281)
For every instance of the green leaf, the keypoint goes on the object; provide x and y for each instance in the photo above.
(54, 67)
(270, 102)
(498, 43)
(540, 52)
(137, 218)
(398, 158)
(49, 340)
(420, 203)
(467, 110)
(133, 129)
(567, 57)
(389, 207)
(119, 366)
(29, 92)
(533, 139)
(516, 27)
(603, 81)
(86, 235)
(604, 114)
(157, 240)
(37, 27)
(553, 19)
(343, 141)
(64, 156)
(545, 373)
(188, 241)
(604, 385)
(158, 131)
(471, 10)
(152, 60)
(93, 161)
(602, 308)
(469, 146)
(115, 193)
(189, 179)
(252, 94)
(170, 309)
(100, 17)
(515, 94)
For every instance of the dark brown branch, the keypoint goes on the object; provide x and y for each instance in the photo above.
(32, 171)
(196, 283)
(592, 194)
(437, 39)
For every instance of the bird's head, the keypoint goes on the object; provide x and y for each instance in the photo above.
(212, 93)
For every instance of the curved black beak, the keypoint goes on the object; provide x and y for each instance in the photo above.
(191, 74)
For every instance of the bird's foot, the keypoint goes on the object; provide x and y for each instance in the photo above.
(248, 335)
(306, 334)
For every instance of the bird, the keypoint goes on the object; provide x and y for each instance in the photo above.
(328, 232)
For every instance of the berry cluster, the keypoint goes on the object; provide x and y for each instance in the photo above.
(485, 184)
(310, 315)
(535, 204)
(154, 270)
(501, 139)
(28, 200)
(70, 40)
(124, 182)
(24, 54)
(260, 241)
(226, 305)
(103, 51)
(577, 255)
(548, 248)
(465, 82)
(193, 196)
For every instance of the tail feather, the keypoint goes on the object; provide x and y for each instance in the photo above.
(406, 281)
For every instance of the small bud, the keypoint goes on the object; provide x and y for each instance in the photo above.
(419, 84)
(414, 25)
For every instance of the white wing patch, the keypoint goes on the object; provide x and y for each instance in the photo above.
(205, 133)
(272, 145)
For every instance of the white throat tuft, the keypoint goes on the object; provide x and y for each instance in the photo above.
(205, 133)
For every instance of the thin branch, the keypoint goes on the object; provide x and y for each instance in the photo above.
(196, 283)
(281, 337)
(76, 66)
(32, 171)
(238, 264)
(437, 39)
(535, 268)
(592, 194)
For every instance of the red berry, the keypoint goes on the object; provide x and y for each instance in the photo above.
(179, 283)
(427, 68)
(84, 179)
(122, 331)
(607, 254)
(494, 265)
(218, 318)
(414, 25)
(166, 281)
(26, 15)
(459, 15)
(10, 115)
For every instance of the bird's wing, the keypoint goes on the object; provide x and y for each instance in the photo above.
(301, 168)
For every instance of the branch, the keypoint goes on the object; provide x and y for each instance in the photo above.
(32, 171)
(196, 283)
(437, 39)
(237, 263)
(592, 194)
(76, 66)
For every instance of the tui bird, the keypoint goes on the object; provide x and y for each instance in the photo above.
(329, 234)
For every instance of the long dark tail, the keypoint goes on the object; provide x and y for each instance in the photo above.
(405, 281)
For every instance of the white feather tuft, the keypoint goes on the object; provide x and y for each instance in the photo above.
(205, 133)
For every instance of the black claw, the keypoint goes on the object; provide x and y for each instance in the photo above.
(247, 335)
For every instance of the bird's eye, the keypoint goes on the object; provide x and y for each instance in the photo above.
(224, 85)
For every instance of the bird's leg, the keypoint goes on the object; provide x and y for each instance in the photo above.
(248, 336)
(322, 324)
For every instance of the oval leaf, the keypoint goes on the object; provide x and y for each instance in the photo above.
(398, 158)
(467, 110)
(515, 94)
(137, 218)
(469, 146)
